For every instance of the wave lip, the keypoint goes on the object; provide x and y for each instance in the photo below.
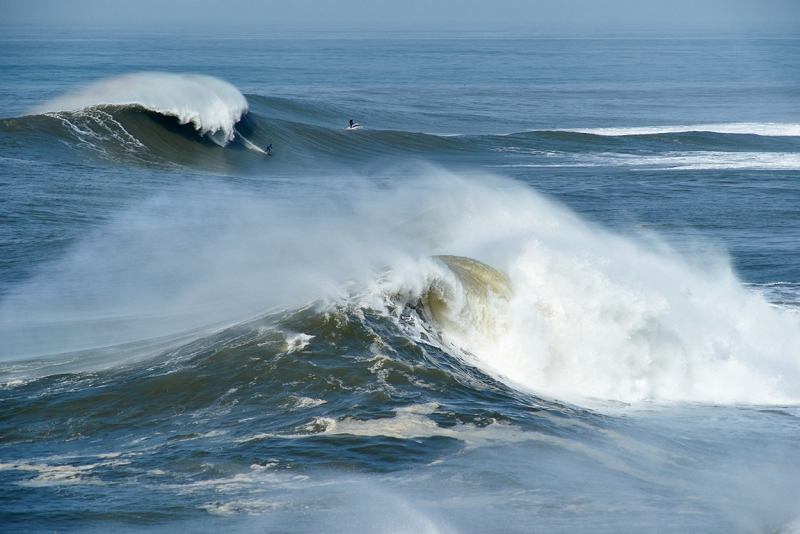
(211, 105)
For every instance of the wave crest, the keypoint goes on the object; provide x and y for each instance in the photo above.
(211, 105)
(737, 128)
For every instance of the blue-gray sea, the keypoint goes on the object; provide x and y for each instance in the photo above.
(550, 285)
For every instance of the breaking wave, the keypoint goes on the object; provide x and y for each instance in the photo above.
(580, 313)
(154, 119)
(211, 105)
(483, 268)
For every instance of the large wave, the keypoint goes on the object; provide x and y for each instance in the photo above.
(211, 105)
(108, 118)
(486, 268)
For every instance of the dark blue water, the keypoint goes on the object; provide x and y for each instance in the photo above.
(551, 286)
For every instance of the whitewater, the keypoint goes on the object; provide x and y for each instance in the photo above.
(522, 298)
(211, 105)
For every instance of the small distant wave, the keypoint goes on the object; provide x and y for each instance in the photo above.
(690, 160)
(772, 129)
(782, 295)
(211, 105)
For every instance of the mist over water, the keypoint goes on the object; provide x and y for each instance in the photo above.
(529, 295)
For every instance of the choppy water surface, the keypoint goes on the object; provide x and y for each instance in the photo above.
(550, 286)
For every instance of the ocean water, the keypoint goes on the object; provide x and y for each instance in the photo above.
(553, 285)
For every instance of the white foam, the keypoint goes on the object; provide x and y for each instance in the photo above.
(53, 475)
(598, 315)
(242, 506)
(211, 105)
(296, 342)
(409, 422)
(307, 402)
(412, 422)
(752, 128)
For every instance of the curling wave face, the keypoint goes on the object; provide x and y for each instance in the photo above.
(211, 105)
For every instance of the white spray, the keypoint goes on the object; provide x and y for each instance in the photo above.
(211, 105)
(598, 315)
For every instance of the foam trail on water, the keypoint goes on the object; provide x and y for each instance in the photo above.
(211, 105)
(249, 144)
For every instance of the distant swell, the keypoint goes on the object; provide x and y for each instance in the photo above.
(772, 129)
(211, 105)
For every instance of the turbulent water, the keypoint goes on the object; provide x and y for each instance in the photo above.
(550, 286)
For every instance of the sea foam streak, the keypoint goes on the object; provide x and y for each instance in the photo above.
(211, 105)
